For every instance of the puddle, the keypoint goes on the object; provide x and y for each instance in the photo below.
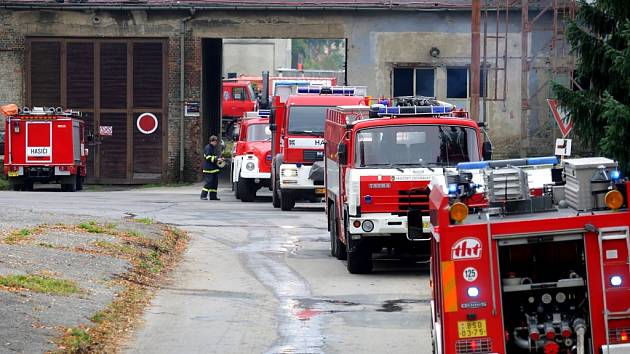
(299, 327)
(395, 305)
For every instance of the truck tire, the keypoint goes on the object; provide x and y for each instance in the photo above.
(275, 199)
(246, 189)
(28, 186)
(69, 187)
(16, 187)
(237, 193)
(287, 201)
(79, 183)
(360, 260)
(332, 229)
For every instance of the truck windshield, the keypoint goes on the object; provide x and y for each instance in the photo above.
(415, 145)
(258, 132)
(307, 119)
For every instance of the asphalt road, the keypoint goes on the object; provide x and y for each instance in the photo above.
(259, 280)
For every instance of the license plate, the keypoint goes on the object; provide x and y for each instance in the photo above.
(471, 329)
(320, 190)
(14, 173)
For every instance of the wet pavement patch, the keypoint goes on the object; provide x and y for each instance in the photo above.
(396, 305)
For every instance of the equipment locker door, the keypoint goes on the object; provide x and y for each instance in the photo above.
(39, 142)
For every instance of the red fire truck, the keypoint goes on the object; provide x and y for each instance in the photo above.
(379, 162)
(297, 127)
(45, 145)
(251, 156)
(533, 271)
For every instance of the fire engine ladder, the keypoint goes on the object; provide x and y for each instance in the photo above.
(607, 236)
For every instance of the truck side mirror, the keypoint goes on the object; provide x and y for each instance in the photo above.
(272, 119)
(235, 134)
(342, 153)
(414, 224)
(486, 150)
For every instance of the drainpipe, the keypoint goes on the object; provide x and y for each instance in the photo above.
(182, 62)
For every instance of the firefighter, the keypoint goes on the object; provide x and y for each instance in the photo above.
(212, 158)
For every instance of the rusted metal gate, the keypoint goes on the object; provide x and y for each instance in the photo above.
(113, 82)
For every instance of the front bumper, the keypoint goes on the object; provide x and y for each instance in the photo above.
(616, 348)
(255, 174)
(298, 178)
(385, 224)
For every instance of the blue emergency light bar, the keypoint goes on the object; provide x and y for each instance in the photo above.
(333, 90)
(415, 110)
(532, 161)
(264, 113)
(292, 83)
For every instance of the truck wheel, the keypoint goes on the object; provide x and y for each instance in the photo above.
(69, 187)
(27, 186)
(332, 227)
(17, 187)
(275, 199)
(287, 202)
(340, 249)
(79, 183)
(237, 194)
(360, 260)
(246, 189)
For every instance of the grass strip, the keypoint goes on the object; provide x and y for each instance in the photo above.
(40, 283)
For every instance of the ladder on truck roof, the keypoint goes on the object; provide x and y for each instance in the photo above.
(46, 111)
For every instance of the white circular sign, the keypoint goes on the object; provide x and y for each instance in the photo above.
(147, 123)
(470, 274)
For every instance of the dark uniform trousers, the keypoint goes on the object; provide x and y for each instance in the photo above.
(210, 172)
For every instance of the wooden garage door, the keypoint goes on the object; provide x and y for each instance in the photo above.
(112, 82)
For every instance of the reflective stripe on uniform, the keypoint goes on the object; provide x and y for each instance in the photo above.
(212, 158)
(205, 189)
(212, 190)
(211, 171)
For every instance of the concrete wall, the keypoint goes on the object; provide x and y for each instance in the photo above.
(377, 42)
(252, 56)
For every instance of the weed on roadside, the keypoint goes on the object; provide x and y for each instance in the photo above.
(40, 283)
(93, 227)
(112, 324)
(75, 340)
(146, 221)
(21, 235)
(115, 247)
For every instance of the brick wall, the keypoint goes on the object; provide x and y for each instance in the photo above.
(11, 60)
(192, 125)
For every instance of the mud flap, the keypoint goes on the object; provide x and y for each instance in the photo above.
(415, 227)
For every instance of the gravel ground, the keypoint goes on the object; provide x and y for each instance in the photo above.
(30, 321)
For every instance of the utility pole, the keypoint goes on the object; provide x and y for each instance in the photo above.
(475, 59)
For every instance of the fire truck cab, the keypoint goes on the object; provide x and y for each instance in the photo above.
(535, 270)
(45, 145)
(251, 155)
(379, 162)
(298, 140)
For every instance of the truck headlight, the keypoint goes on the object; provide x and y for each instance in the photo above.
(367, 226)
(289, 173)
(615, 280)
(473, 291)
(250, 166)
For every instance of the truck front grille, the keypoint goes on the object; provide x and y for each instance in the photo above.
(415, 198)
(479, 345)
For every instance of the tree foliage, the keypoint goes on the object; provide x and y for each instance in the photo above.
(319, 54)
(600, 41)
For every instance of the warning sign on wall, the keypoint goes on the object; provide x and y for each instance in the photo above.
(105, 130)
(147, 123)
